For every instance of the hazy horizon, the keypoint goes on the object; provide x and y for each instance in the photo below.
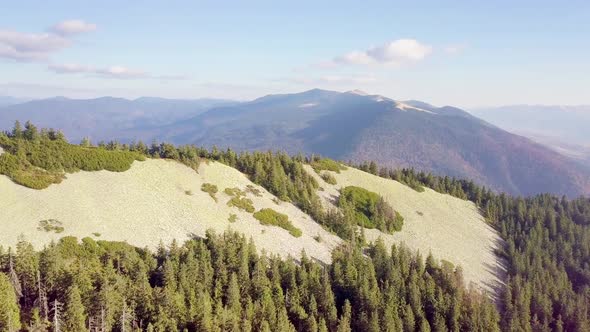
(467, 55)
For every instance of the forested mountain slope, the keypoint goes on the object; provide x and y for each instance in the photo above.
(344, 126)
(145, 202)
(349, 126)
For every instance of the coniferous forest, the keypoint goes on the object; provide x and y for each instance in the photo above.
(221, 283)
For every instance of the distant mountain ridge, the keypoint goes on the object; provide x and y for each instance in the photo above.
(105, 118)
(351, 126)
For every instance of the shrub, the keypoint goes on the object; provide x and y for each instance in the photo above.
(274, 218)
(235, 191)
(40, 162)
(211, 189)
(370, 210)
(232, 217)
(329, 178)
(50, 225)
(326, 164)
(242, 203)
(253, 190)
(188, 192)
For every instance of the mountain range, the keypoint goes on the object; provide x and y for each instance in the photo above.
(350, 126)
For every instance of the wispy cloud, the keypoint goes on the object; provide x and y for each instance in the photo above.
(72, 27)
(24, 46)
(30, 46)
(393, 53)
(113, 72)
(333, 80)
(454, 48)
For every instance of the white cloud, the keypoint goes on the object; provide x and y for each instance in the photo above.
(72, 27)
(116, 72)
(395, 53)
(29, 46)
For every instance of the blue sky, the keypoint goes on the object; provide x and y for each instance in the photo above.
(463, 53)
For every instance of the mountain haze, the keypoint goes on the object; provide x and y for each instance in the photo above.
(561, 127)
(105, 118)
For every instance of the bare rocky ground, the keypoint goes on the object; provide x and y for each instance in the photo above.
(156, 200)
(450, 228)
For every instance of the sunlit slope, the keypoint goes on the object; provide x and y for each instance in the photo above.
(451, 228)
(154, 200)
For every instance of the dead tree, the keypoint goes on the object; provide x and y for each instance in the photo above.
(56, 316)
(18, 290)
(42, 298)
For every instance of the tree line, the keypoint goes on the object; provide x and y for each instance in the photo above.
(222, 283)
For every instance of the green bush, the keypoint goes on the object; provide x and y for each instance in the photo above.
(329, 178)
(326, 164)
(232, 217)
(274, 218)
(211, 189)
(370, 210)
(242, 203)
(235, 191)
(50, 225)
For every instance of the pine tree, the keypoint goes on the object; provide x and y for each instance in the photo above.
(233, 295)
(346, 318)
(85, 142)
(31, 132)
(74, 316)
(17, 132)
(9, 309)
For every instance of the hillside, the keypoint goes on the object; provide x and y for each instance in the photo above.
(450, 228)
(148, 204)
(163, 200)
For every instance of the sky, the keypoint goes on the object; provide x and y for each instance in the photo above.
(461, 53)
